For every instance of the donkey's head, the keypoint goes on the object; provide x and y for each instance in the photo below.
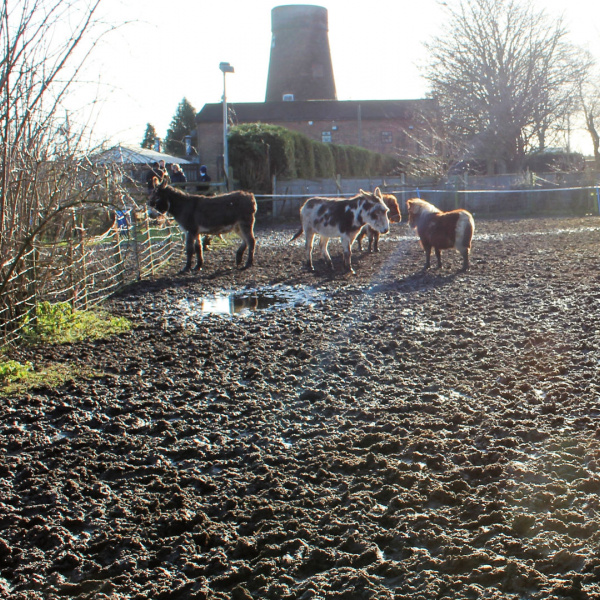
(158, 200)
(375, 211)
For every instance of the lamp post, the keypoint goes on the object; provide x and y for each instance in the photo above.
(225, 68)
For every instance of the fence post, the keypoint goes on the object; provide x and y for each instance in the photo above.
(149, 239)
(81, 230)
(71, 233)
(136, 247)
(120, 261)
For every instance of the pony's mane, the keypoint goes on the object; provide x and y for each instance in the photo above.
(417, 206)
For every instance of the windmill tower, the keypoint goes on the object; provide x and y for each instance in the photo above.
(300, 64)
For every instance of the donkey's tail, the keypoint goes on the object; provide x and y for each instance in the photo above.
(300, 232)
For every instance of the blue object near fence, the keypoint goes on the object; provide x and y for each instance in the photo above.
(122, 220)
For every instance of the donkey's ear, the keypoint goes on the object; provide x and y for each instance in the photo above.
(377, 193)
(155, 182)
(163, 183)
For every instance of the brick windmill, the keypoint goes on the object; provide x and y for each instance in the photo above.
(300, 64)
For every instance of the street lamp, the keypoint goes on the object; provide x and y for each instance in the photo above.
(226, 68)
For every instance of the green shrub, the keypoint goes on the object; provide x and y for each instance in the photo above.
(547, 162)
(11, 371)
(258, 151)
(324, 161)
(59, 323)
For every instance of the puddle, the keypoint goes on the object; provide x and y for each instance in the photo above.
(248, 301)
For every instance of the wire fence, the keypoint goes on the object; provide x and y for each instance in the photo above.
(84, 270)
(519, 195)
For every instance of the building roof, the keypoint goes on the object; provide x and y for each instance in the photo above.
(316, 110)
(123, 154)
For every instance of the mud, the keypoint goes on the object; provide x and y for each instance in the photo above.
(386, 435)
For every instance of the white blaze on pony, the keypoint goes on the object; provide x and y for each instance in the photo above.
(441, 230)
(336, 217)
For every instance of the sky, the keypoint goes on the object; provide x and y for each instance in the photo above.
(161, 52)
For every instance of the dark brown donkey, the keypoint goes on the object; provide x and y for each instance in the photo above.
(201, 215)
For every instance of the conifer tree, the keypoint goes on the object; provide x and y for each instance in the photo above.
(183, 123)
(149, 137)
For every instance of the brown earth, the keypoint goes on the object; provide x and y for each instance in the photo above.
(392, 434)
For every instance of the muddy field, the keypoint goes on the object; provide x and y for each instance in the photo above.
(389, 435)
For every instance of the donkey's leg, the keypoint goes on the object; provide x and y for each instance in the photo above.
(249, 241)
(324, 243)
(359, 238)
(189, 252)
(374, 237)
(347, 247)
(308, 245)
(251, 248)
(239, 255)
(438, 255)
(199, 251)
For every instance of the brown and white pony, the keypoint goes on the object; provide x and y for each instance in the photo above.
(394, 216)
(343, 218)
(441, 230)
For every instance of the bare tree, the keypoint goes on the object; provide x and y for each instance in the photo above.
(503, 76)
(43, 173)
(591, 109)
(588, 97)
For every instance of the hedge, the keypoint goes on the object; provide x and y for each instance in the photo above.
(258, 151)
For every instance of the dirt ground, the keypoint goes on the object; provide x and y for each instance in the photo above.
(389, 435)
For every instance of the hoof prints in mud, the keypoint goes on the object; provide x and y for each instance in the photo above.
(401, 435)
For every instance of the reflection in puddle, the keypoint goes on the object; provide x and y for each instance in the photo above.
(234, 304)
(246, 301)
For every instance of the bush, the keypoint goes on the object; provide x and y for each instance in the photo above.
(552, 162)
(324, 160)
(60, 324)
(258, 151)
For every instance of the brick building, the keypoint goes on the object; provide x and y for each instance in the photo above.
(301, 96)
(397, 127)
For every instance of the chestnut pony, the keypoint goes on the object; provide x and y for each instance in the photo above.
(394, 216)
(441, 230)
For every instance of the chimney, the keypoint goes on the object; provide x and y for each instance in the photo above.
(300, 64)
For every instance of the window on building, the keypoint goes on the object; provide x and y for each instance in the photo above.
(326, 137)
(386, 137)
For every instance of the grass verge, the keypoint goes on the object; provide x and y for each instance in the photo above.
(56, 324)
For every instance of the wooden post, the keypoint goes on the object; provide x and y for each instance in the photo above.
(149, 240)
(81, 230)
(71, 233)
(136, 246)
